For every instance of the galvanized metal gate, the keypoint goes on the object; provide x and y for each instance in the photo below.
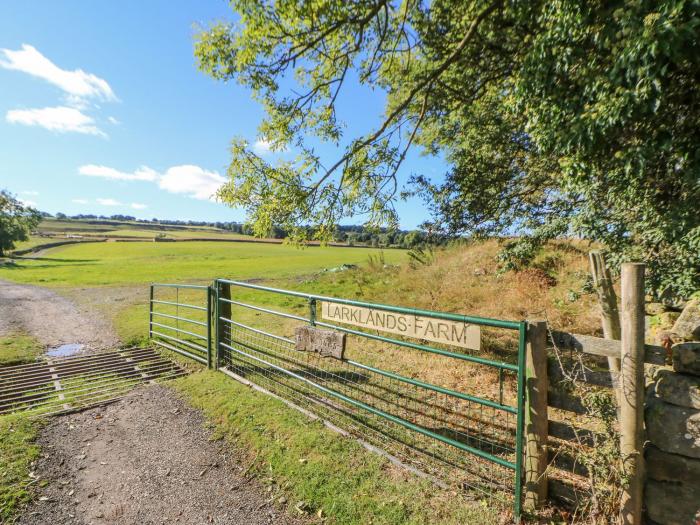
(456, 414)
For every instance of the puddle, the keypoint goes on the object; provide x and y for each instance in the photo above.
(65, 350)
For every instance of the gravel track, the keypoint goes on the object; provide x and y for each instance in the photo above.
(51, 318)
(146, 459)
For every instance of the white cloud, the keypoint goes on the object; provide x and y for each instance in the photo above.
(77, 84)
(186, 179)
(80, 201)
(142, 173)
(30, 192)
(138, 206)
(28, 202)
(114, 121)
(61, 119)
(109, 202)
(191, 180)
(262, 147)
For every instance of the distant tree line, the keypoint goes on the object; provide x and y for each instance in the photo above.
(350, 234)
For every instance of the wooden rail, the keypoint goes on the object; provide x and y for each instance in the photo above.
(588, 344)
(546, 376)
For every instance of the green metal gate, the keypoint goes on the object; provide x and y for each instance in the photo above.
(180, 319)
(455, 414)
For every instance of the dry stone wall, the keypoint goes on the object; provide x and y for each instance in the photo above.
(672, 415)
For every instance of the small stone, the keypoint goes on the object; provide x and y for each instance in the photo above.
(300, 507)
(687, 326)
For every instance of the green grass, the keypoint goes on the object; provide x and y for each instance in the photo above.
(17, 452)
(304, 461)
(32, 242)
(16, 349)
(98, 264)
(97, 225)
(176, 234)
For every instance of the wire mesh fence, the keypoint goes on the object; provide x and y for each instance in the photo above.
(453, 414)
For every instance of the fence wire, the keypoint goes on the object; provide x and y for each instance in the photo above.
(381, 393)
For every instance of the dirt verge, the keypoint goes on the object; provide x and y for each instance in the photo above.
(146, 459)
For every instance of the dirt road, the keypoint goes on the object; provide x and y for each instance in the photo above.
(146, 459)
(51, 318)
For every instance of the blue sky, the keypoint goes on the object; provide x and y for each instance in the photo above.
(102, 110)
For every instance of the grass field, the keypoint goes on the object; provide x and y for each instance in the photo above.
(136, 233)
(100, 264)
(105, 225)
(53, 230)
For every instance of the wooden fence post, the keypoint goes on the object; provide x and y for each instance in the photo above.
(536, 419)
(632, 393)
(609, 315)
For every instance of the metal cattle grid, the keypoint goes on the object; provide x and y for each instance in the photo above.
(57, 385)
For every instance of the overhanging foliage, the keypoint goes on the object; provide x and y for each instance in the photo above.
(557, 118)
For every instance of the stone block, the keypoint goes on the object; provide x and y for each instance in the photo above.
(687, 326)
(655, 308)
(672, 428)
(678, 389)
(686, 358)
(670, 503)
(662, 466)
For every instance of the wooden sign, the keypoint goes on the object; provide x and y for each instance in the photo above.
(327, 343)
(452, 333)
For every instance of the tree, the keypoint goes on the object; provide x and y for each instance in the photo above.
(557, 118)
(16, 221)
(412, 239)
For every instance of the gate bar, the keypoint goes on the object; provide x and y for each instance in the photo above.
(484, 321)
(381, 413)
